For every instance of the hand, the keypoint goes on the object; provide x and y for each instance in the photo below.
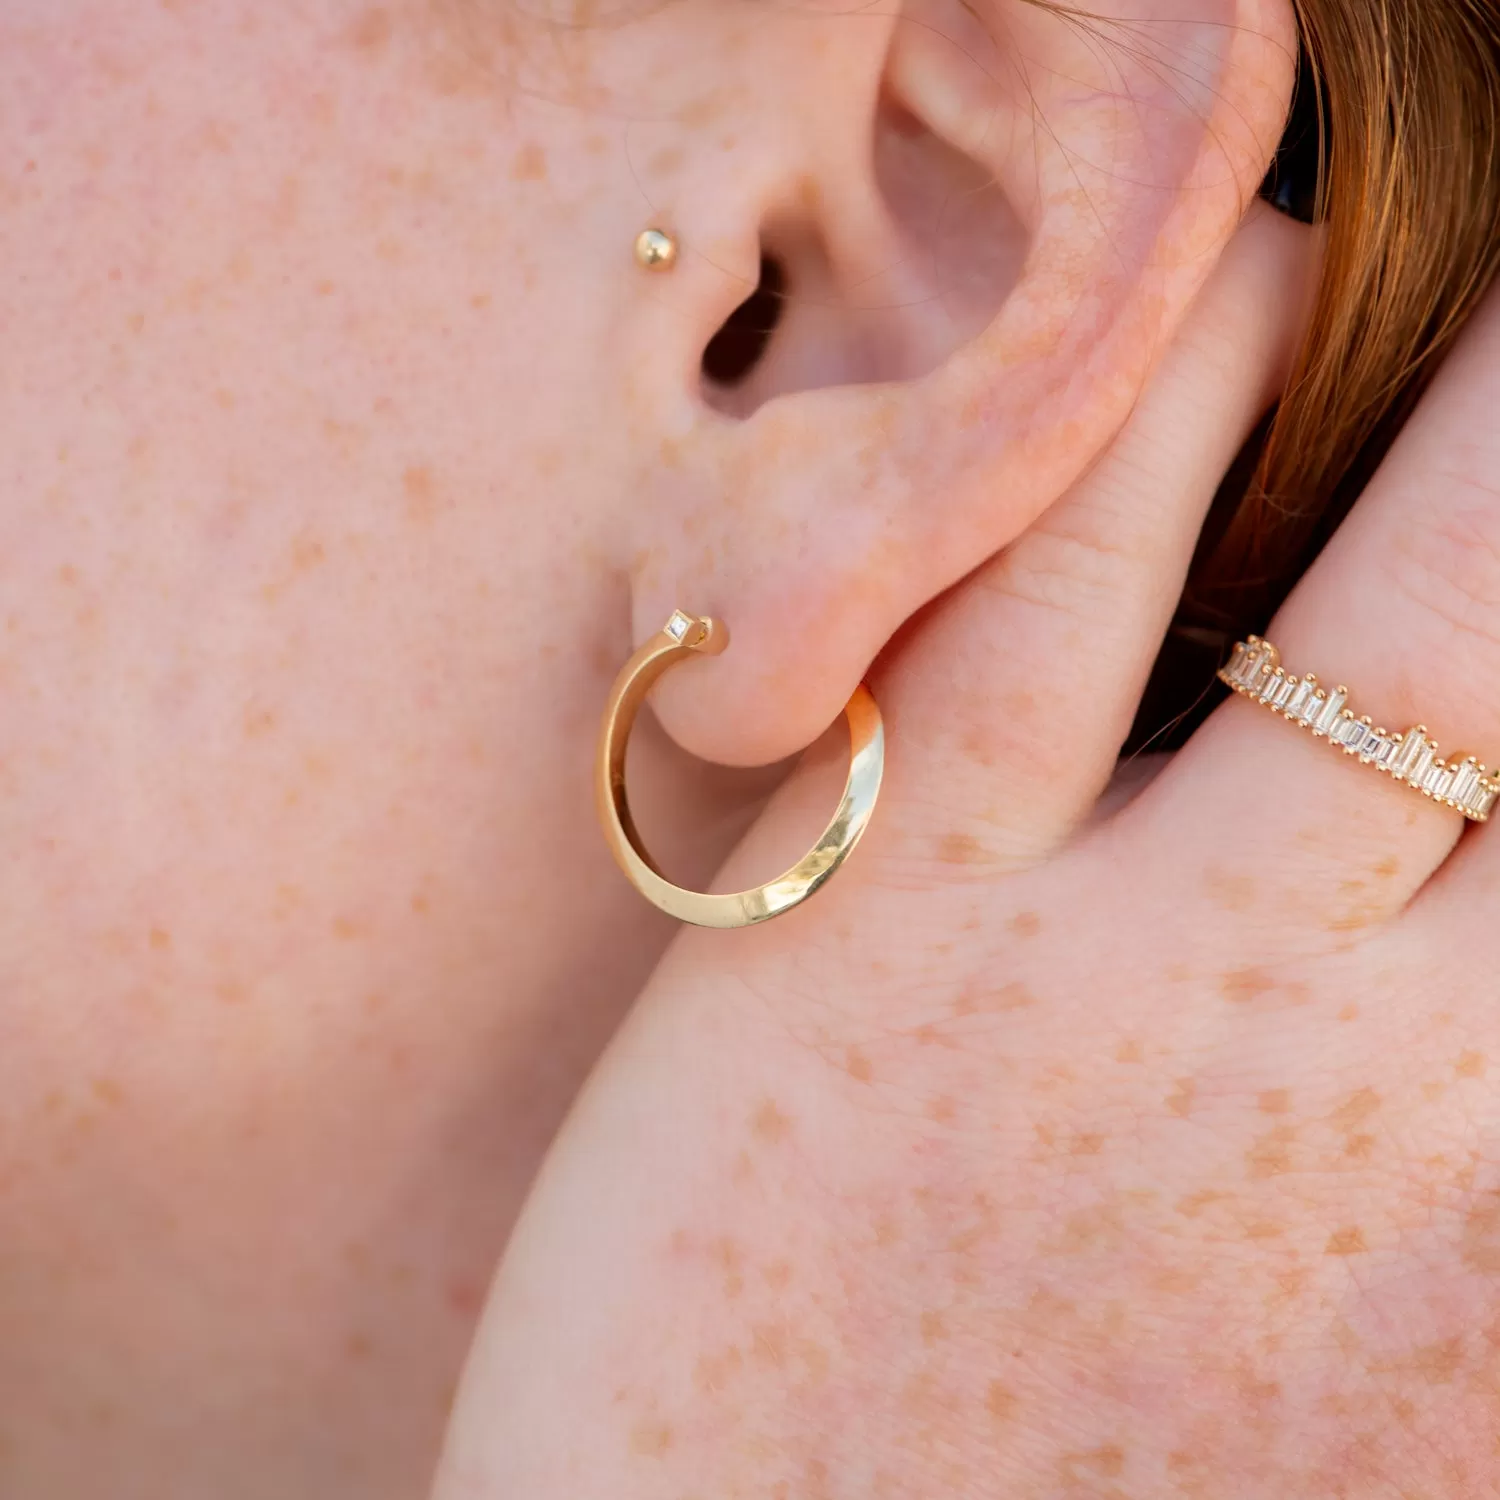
(1050, 1154)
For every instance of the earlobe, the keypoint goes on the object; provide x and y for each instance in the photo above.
(1126, 149)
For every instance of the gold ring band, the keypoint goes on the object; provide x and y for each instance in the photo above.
(1460, 782)
(682, 637)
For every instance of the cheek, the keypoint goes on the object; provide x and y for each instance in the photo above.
(303, 363)
(299, 259)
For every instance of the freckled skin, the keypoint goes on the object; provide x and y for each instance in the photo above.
(1180, 1101)
(770, 1125)
(1230, 890)
(1034, 1284)
(309, 594)
(960, 849)
(1246, 985)
(651, 1440)
(530, 163)
(263, 547)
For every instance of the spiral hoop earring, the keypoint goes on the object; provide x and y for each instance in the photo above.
(685, 636)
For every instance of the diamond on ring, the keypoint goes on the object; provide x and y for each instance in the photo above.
(1460, 782)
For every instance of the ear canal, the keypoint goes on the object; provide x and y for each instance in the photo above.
(736, 350)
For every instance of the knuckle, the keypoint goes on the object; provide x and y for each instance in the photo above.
(1083, 570)
(1444, 564)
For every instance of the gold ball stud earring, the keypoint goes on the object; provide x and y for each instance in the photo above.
(656, 250)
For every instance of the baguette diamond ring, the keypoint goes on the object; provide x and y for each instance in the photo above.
(1461, 781)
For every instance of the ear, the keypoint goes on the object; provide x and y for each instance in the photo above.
(987, 222)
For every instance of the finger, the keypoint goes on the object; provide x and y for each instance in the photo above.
(1010, 699)
(1404, 608)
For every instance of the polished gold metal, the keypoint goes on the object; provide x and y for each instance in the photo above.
(656, 250)
(683, 637)
(1460, 782)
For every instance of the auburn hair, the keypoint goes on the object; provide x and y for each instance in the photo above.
(1395, 135)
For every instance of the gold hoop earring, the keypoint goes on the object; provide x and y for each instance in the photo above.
(682, 637)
